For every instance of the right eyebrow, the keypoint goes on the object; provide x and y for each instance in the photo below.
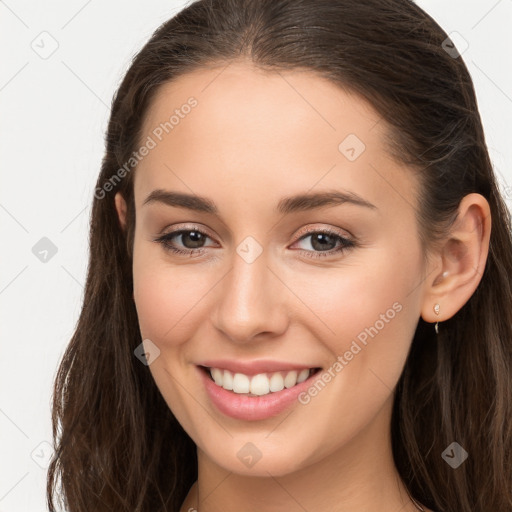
(189, 201)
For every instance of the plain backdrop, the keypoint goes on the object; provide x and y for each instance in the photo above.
(61, 63)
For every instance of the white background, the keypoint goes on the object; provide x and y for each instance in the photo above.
(52, 121)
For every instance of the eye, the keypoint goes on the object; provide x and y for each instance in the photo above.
(192, 238)
(325, 242)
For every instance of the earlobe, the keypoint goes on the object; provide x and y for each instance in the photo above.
(121, 209)
(460, 262)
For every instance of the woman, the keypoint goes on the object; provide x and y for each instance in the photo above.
(298, 295)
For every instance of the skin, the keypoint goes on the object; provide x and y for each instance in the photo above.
(253, 138)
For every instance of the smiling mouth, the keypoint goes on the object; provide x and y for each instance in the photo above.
(260, 384)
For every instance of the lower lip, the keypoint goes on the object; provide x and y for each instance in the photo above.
(252, 408)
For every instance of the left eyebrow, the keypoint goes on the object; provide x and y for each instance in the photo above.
(303, 202)
(287, 205)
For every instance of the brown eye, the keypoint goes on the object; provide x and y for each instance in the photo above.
(184, 241)
(325, 243)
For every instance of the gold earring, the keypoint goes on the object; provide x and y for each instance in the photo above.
(437, 307)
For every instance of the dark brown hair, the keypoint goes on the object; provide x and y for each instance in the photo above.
(118, 447)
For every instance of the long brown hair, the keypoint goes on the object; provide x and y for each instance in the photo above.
(118, 447)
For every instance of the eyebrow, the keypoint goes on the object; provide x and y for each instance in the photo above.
(287, 205)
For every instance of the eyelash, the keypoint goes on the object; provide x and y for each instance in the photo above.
(346, 244)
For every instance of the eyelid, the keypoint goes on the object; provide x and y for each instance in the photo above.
(186, 227)
(335, 231)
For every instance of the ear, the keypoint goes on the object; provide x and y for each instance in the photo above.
(459, 264)
(121, 209)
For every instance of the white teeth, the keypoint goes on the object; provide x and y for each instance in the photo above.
(217, 376)
(290, 379)
(277, 382)
(303, 375)
(227, 381)
(261, 384)
(240, 383)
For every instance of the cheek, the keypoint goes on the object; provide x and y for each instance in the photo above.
(369, 313)
(165, 302)
(169, 298)
(376, 290)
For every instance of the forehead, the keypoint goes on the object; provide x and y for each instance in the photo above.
(286, 131)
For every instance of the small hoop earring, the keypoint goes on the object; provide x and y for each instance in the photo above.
(437, 308)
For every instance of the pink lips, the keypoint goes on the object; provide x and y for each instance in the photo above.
(250, 408)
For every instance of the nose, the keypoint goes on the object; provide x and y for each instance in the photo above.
(251, 302)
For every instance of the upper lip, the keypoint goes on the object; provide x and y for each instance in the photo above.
(254, 367)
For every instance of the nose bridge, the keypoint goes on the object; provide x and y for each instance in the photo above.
(251, 300)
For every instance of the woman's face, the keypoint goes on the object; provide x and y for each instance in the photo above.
(273, 279)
